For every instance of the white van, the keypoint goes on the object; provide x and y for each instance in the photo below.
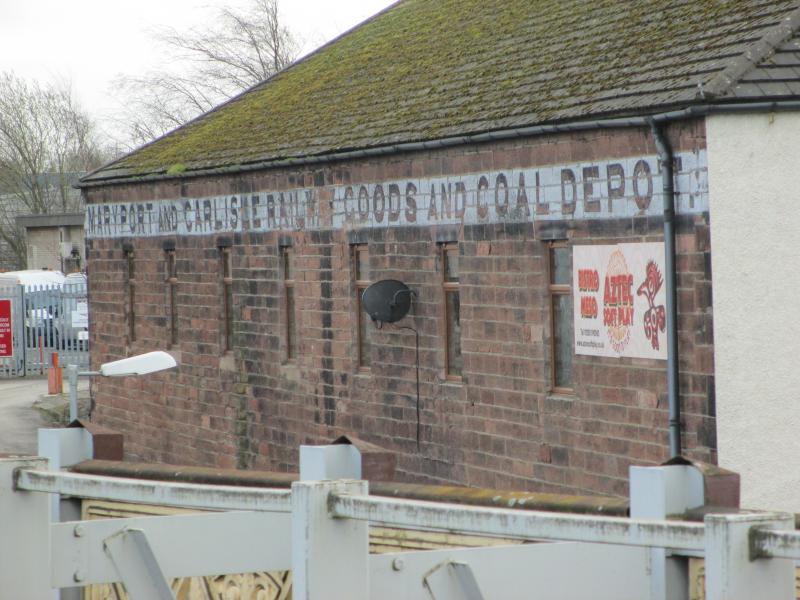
(33, 277)
(75, 278)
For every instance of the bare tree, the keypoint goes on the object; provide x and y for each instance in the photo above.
(46, 142)
(243, 49)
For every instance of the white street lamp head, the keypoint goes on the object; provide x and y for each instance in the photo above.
(141, 364)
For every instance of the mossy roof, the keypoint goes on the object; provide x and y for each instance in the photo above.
(429, 69)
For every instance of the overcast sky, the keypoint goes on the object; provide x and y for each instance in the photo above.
(91, 41)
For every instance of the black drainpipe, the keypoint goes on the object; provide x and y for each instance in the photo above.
(665, 155)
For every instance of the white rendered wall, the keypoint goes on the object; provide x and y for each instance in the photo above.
(754, 198)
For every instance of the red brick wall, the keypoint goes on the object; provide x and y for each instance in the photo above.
(499, 428)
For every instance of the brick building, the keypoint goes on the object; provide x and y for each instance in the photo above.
(512, 163)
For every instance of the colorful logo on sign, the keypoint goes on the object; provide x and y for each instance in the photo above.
(588, 282)
(655, 319)
(618, 302)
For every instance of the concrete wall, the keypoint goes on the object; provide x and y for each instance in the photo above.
(44, 249)
(501, 426)
(755, 222)
(44, 246)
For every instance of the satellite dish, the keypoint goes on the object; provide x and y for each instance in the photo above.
(387, 300)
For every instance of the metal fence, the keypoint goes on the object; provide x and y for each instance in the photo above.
(43, 320)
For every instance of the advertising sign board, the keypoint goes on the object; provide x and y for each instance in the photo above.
(620, 300)
(6, 337)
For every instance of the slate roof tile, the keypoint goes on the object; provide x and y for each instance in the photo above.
(429, 69)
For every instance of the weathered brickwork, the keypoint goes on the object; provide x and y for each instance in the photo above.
(499, 427)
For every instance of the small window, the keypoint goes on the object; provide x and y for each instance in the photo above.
(452, 311)
(287, 268)
(131, 285)
(360, 258)
(226, 269)
(560, 291)
(172, 296)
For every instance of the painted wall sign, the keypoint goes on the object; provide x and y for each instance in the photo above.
(611, 189)
(620, 300)
(6, 335)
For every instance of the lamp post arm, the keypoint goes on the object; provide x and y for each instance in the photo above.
(72, 376)
(142, 364)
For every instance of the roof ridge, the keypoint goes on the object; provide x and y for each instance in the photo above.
(242, 93)
(416, 74)
(752, 57)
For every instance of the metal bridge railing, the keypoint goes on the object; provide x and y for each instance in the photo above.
(771, 543)
(320, 531)
(138, 491)
(521, 524)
